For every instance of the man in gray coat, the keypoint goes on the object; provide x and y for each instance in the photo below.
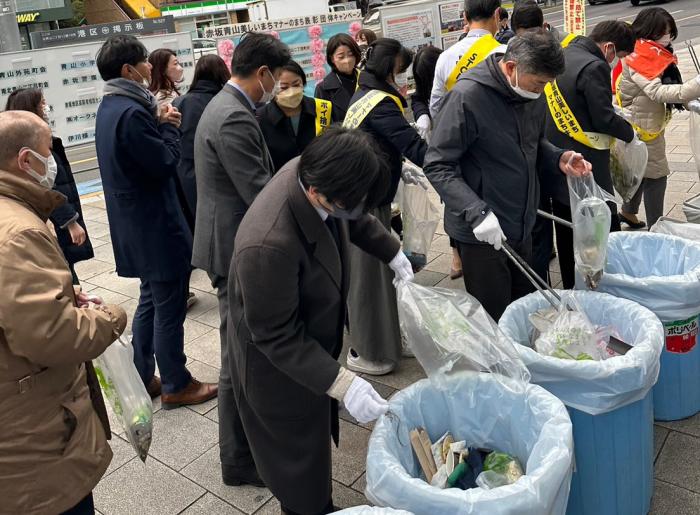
(232, 164)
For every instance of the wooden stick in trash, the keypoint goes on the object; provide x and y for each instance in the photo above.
(421, 446)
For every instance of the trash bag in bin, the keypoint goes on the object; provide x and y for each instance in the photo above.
(528, 423)
(603, 397)
(691, 209)
(662, 273)
(477, 390)
(371, 510)
(594, 387)
(687, 230)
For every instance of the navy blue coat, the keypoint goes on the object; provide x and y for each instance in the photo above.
(138, 163)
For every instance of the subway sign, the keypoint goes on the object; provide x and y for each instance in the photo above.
(28, 17)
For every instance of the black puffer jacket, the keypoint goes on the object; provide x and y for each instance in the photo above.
(390, 129)
(485, 153)
(70, 211)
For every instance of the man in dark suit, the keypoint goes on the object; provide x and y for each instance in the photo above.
(288, 288)
(138, 149)
(232, 164)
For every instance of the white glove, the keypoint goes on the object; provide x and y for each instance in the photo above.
(694, 106)
(363, 402)
(423, 126)
(489, 231)
(401, 267)
(411, 174)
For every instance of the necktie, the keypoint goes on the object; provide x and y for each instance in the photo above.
(333, 228)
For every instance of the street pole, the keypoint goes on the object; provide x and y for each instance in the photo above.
(9, 30)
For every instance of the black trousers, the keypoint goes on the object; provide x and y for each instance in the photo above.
(328, 509)
(565, 241)
(492, 278)
(234, 450)
(84, 507)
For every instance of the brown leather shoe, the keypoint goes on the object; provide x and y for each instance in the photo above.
(154, 387)
(193, 393)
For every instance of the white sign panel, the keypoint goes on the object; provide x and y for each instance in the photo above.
(71, 83)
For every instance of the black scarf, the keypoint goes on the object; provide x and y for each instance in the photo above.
(672, 75)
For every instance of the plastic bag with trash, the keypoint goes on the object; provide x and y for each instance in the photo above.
(419, 214)
(591, 217)
(628, 163)
(450, 332)
(122, 385)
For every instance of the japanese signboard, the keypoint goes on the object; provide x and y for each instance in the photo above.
(575, 17)
(306, 37)
(421, 24)
(71, 84)
(147, 26)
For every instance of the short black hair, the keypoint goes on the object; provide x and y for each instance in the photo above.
(618, 32)
(526, 16)
(342, 40)
(503, 14)
(117, 51)
(424, 71)
(382, 55)
(296, 69)
(653, 23)
(478, 10)
(539, 53)
(255, 50)
(347, 167)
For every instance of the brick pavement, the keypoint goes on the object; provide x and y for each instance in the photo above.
(182, 473)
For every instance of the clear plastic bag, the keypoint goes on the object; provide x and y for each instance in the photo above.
(689, 231)
(628, 162)
(500, 469)
(695, 138)
(591, 217)
(126, 393)
(419, 214)
(450, 332)
(691, 209)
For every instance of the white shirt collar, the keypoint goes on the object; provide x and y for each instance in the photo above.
(321, 212)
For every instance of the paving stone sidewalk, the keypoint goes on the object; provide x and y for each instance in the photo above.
(182, 473)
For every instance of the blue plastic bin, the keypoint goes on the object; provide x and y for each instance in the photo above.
(662, 273)
(610, 402)
(523, 420)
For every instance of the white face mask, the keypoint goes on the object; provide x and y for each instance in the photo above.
(530, 95)
(614, 59)
(269, 95)
(401, 80)
(48, 179)
(665, 40)
(47, 112)
(143, 82)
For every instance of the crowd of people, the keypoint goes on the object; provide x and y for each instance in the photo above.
(284, 200)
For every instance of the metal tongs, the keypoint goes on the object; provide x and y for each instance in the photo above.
(552, 296)
(693, 55)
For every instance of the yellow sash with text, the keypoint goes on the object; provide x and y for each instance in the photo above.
(360, 109)
(568, 39)
(567, 123)
(479, 51)
(323, 115)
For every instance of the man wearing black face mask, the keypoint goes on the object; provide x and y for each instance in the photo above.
(485, 153)
(581, 95)
(288, 286)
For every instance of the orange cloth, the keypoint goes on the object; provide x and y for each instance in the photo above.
(650, 59)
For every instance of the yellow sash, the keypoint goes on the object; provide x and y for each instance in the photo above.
(568, 39)
(479, 51)
(323, 115)
(567, 123)
(360, 109)
(644, 135)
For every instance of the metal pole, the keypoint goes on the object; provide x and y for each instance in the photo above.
(558, 220)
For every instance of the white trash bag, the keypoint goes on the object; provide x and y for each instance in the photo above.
(691, 209)
(122, 385)
(591, 217)
(687, 230)
(419, 214)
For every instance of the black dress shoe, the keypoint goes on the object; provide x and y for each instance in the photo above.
(632, 225)
(240, 478)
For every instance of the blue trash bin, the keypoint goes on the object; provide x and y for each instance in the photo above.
(610, 402)
(662, 273)
(521, 419)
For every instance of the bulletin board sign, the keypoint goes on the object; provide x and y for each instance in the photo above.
(71, 84)
(306, 36)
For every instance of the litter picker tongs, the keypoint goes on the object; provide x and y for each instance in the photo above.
(693, 55)
(552, 296)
